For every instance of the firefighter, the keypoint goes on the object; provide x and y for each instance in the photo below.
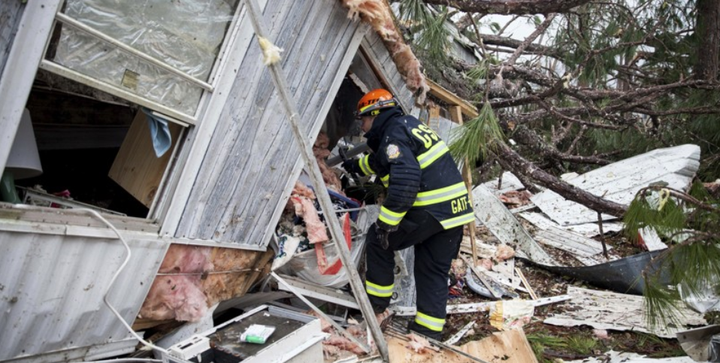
(426, 206)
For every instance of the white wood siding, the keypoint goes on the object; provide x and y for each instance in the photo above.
(10, 14)
(251, 162)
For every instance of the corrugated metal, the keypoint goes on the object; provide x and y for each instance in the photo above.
(252, 160)
(52, 287)
(10, 15)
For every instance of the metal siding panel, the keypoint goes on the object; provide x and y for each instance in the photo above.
(52, 288)
(10, 15)
(254, 153)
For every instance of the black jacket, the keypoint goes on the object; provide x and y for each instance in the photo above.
(416, 167)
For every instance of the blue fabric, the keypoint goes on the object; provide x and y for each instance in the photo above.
(159, 132)
(349, 202)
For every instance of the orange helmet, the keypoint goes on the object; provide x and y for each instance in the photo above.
(374, 101)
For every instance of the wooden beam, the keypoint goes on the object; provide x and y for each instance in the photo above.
(457, 116)
(452, 99)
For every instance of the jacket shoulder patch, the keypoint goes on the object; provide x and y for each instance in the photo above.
(392, 151)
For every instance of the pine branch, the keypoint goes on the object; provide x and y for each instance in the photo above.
(679, 195)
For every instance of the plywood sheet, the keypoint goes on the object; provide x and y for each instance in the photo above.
(399, 353)
(510, 346)
(136, 167)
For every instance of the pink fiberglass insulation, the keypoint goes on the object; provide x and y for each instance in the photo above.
(321, 152)
(301, 198)
(177, 291)
(377, 13)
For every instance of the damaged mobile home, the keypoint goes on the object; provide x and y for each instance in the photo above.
(147, 157)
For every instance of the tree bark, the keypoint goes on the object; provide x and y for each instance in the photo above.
(708, 33)
(517, 7)
(510, 160)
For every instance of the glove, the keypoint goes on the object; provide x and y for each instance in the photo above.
(382, 231)
(351, 165)
(383, 237)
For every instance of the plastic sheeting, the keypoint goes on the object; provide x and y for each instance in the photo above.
(184, 34)
(304, 264)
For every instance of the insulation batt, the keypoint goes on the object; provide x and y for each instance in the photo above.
(321, 152)
(504, 252)
(377, 13)
(305, 208)
(336, 343)
(180, 296)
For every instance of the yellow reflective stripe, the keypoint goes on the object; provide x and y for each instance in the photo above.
(390, 217)
(386, 180)
(365, 165)
(458, 221)
(440, 195)
(434, 324)
(427, 158)
(366, 107)
(377, 290)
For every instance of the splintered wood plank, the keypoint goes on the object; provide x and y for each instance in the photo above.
(400, 352)
(136, 168)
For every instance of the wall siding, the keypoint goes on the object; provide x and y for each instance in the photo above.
(249, 168)
(10, 14)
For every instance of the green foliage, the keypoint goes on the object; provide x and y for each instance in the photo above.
(432, 38)
(582, 344)
(539, 341)
(691, 221)
(475, 138)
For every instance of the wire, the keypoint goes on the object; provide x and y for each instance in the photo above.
(112, 281)
(208, 272)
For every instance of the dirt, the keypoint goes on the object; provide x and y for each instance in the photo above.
(552, 342)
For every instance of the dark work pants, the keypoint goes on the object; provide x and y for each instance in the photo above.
(435, 248)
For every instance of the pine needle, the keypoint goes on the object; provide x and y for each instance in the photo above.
(473, 141)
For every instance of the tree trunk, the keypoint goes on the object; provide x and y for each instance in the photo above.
(708, 33)
(510, 160)
(518, 7)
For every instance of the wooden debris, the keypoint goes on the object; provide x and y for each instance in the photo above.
(526, 283)
(510, 346)
(400, 353)
(460, 334)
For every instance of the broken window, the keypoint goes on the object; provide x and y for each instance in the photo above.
(95, 150)
(158, 54)
(119, 84)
